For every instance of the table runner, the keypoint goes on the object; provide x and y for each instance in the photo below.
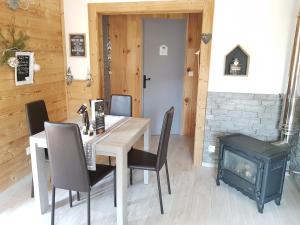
(89, 142)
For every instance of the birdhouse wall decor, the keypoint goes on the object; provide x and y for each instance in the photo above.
(237, 62)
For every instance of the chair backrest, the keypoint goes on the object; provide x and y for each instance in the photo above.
(121, 105)
(164, 138)
(67, 159)
(36, 116)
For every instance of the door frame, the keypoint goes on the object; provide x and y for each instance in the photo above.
(206, 7)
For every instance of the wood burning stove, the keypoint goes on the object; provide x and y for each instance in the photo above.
(254, 167)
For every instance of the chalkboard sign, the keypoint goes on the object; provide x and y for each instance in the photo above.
(24, 68)
(77, 44)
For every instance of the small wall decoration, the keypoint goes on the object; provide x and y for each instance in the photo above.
(163, 50)
(206, 37)
(69, 76)
(16, 4)
(236, 62)
(24, 68)
(77, 45)
(89, 78)
(10, 44)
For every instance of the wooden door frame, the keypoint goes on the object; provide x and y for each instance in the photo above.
(206, 7)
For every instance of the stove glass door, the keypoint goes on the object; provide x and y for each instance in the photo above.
(240, 166)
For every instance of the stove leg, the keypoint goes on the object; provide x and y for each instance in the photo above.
(260, 207)
(277, 201)
(218, 177)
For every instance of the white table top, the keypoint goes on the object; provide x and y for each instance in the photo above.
(120, 138)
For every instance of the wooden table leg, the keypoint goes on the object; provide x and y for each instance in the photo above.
(40, 181)
(146, 148)
(121, 166)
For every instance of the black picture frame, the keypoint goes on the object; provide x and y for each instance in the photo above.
(77, 45)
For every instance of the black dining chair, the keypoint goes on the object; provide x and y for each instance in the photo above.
(68, 164)
(36, 116)
(121, 105)
(36, 113)
(142, 160)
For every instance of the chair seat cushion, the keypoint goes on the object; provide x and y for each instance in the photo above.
(100, 172)
(138, 159)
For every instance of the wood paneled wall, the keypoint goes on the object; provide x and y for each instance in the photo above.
(77, 93)
(42, 23)
(126, 78)
(126, 34)
(194, 23)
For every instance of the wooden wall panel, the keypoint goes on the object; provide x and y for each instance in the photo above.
(191, 83)
(126, 36)
(207, 23)
(125, 33)
(77, 94)
(150, 7)
(42, 23)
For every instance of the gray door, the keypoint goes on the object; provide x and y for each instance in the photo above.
(163, 63)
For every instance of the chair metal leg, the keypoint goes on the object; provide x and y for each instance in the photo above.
(53, 205)
(78, 196)
(32, 189)
(70, 198)
(109, 160)
(89, 208)
(130, 176)
(159, 192)
(115, 188)
(168, 179)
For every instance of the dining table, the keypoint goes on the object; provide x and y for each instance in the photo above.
(117, 142)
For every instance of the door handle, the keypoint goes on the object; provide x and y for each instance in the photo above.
(145, 80)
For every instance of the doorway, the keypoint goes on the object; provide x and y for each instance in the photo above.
(126, 77)
(163, 70)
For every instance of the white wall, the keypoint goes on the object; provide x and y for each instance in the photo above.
(76, 21)
(265, 29)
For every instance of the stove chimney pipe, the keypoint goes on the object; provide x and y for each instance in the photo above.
(290, 114)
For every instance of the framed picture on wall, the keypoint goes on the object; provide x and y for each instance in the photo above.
(77, 45)
(237, 62)
(24, 68)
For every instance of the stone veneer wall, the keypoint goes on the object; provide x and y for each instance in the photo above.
(256, 115)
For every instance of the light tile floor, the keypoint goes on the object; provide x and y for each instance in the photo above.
(195, 199)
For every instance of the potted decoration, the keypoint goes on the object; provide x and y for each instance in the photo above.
(10, 45)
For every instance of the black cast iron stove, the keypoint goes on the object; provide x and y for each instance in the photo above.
(254, 167)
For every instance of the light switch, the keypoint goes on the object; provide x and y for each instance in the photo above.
(191, 73)
(211, 148)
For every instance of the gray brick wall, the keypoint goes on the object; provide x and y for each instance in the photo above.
(256, 115)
